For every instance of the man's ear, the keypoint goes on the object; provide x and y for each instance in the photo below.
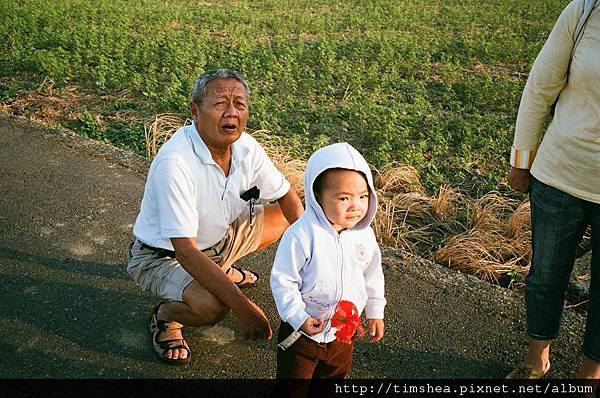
(193, 108)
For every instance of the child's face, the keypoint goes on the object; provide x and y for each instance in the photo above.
(344, 198)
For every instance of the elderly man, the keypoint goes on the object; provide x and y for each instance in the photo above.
(196, 218)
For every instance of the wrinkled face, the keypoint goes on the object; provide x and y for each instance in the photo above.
(344, 198)
(221, 117)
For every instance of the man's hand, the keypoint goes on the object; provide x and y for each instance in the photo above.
(312, 326)
(519, 179)
(253, 323)
(375, 329)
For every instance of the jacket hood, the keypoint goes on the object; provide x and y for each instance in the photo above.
(341, 155)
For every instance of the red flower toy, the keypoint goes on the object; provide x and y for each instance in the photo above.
(347, 321)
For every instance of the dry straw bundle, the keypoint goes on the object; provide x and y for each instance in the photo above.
(397, 178)
(401, 200)
(490, 211)
(408, 217)
(159, 129)
(497, 243)
(519, 228)
(292, 168)
(485, 254)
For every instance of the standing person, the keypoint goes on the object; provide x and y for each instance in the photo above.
(330, 254)
(565, 183)
(193, 225)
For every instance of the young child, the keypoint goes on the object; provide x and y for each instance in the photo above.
(329, 254)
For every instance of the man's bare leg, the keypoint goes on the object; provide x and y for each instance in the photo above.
(198, 308)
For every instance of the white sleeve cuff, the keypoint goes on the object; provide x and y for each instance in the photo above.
(280, 192)
(297, 320)
(521, 159)
(374, 311)
(178, 233)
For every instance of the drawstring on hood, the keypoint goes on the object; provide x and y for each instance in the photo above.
(343, 156)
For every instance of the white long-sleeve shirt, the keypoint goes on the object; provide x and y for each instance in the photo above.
(568, 157)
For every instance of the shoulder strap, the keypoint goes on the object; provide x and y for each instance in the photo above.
(588, 6)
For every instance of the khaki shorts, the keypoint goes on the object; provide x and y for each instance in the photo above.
(166, 278)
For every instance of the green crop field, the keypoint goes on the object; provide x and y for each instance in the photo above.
(434, 84)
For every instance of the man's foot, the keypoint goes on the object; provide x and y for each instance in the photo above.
(168, 341)
(242, 277)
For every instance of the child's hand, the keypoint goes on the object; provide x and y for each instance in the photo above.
(312, 326)
(375, 329)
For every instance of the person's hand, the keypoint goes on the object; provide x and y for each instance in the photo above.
(312, 326)
(375, 330)
(253, 323)
(519, 179)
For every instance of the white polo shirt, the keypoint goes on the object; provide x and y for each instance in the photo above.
(188, 195)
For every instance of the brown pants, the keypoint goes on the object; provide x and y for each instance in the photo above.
(307, 359)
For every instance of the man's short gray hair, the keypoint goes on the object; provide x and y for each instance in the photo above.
(206, 77)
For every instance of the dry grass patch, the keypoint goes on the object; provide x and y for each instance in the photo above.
(497, 246)
(488, 255)
(50, 107)
(397, 178)
(159, 129)
(69, 105)
(407, 217)
(411, 219)
(291, 167)
(391, 228)
(446, 202)
(490, 211)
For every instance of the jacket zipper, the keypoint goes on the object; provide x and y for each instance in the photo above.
(338, 284)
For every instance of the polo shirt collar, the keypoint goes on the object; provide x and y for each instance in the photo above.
(239, 150)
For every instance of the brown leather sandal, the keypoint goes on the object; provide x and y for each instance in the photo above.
(161, 347)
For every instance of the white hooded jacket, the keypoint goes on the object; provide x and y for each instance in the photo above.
(315, 266)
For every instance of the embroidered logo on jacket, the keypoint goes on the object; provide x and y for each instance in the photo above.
(320, 305)
(361, 252)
